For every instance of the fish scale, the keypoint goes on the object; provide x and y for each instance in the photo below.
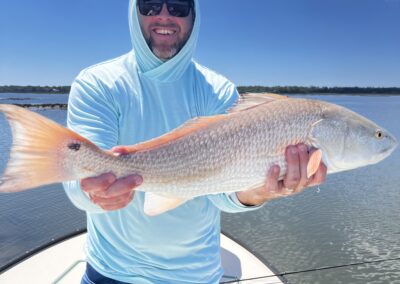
(228, 156)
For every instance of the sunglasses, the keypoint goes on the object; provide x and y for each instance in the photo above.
(176, 8)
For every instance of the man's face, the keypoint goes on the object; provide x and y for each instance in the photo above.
(165, 34)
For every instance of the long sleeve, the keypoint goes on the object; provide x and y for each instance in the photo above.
(91, 114)
(229, 203)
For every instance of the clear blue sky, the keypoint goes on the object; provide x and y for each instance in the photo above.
(252, 42)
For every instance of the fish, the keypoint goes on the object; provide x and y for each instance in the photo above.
(206, 155)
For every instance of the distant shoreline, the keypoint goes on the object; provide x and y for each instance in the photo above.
(241, 89)
(43, 106)
(287, 90)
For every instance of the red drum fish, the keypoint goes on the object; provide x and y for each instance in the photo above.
(207, 155)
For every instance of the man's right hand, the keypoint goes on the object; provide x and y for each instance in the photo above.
(111, 193)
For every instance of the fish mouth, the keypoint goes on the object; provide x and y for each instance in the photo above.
(387, 151)
(394, 143)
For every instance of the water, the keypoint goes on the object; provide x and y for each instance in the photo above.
(352, 218)
(26, 98)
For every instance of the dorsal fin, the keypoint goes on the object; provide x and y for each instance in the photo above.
(250, 100)
(187, 128)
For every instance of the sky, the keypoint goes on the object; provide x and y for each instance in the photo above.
(252, 42)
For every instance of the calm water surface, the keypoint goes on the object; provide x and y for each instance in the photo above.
(26, 98)
(353, 217)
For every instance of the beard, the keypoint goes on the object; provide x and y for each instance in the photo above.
(166, 50)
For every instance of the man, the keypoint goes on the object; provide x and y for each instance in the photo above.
(139, 96)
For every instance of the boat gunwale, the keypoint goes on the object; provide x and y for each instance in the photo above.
(40, 249)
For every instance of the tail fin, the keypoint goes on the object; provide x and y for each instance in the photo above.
(38, 150)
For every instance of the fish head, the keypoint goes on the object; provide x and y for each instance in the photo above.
(349, 140)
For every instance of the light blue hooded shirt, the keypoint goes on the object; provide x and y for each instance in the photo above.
(131, 99)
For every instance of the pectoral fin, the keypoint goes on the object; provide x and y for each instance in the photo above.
(314, 162)
(155, 204)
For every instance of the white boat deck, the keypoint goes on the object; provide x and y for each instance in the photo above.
(64, 263)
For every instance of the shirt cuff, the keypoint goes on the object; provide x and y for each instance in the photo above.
(235, 199)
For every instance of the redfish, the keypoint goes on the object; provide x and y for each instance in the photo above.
(207, 155)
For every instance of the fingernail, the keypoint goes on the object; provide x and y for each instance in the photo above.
(110, 178)
(293, 150)
(137, 179)
(303, 148)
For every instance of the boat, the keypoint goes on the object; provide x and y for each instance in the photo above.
(63, 262)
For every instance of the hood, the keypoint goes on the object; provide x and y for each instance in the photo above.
(151, 66)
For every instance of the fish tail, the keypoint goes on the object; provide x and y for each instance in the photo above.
(38, 150)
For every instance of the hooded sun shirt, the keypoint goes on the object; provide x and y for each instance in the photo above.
(134, 98)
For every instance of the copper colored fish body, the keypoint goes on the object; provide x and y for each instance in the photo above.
(207, 155)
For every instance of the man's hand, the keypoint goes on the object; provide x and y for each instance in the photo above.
(294, 182)
(109, 192)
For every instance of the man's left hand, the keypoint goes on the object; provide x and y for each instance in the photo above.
(295, 181)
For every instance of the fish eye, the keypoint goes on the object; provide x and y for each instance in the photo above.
(379, 134)
(74, 146)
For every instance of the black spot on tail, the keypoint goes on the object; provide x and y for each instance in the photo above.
(74, 146)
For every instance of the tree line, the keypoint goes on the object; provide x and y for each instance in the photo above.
(319, 90)
(35, 89)
(241, 89)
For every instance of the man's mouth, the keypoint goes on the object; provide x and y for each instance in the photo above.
(164, 31)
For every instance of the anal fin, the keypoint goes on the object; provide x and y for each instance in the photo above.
(155, 204)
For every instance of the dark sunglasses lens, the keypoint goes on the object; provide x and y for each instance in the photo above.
(150, 7)
(176, 8)
(179, 8)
